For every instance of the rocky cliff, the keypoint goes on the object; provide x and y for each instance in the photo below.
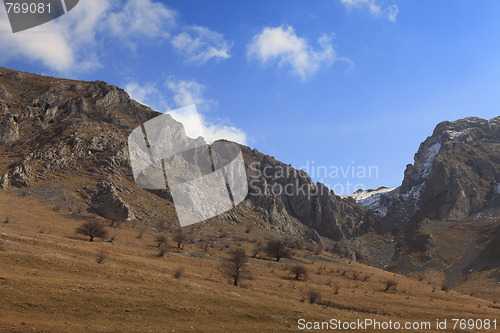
(448, 199)
(65, 141)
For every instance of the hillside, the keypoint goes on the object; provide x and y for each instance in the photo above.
(50, 281)
(65, 142)
(64, 161)
(446, 213)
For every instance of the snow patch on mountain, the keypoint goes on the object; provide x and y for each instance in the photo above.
(371, 199)
(457, 135)
(414, 193)
(361, 194)
(373, 203)
(429, 154)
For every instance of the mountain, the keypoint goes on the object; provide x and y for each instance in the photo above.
(445, 215)
(65, 142)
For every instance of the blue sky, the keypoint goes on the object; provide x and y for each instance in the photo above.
(334, 83)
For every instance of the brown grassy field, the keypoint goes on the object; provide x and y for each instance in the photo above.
(50, 281)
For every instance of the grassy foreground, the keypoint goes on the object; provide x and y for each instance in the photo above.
(50, 281)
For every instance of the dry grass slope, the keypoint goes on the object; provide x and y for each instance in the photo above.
(51, 281)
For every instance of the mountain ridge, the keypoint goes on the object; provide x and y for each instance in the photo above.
(59, 129)
(65, 142)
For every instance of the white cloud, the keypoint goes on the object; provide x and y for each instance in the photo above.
(184, 93)
(59, 44)
(147, 94)
(282, 45)
(377, 10)
(139, 93)
(196, 125)
(191, 92)
(200, 44)
(142, 18)
(74, 42)
(187, 93)
(392, 13)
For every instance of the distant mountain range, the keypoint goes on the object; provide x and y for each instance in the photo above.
(65, 142)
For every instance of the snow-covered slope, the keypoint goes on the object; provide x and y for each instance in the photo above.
(371, 199)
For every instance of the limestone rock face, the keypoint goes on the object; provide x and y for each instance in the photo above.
(107, 202)
(19, 176)
(455, 174)
(451, 191)
(289, 195)
(9, 130)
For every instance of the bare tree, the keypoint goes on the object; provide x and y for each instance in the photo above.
(390, 284)
(312, 295)
(179, 238)
(179, 272)
(236, 267)
(299, 272)
(160, 239)
(258, 248)
(92, 229)
(278, 248)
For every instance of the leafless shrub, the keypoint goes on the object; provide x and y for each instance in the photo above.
(277, 248)
(355, 275)
(312, 296)
(56, 208)
(161, 251)
(92, 229)
(179, 238)
(179, 272)
(236, 267)
(390, 284)
(299, 272)
(161, 226)
(102, 255)
(205, 244)
(140, 234)
(321, 269)
(258, 248)
(160, 239)
(445, 287)
(6, 221)
(336, 288)
(365, 278)
(114, 223)
(223, 233)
